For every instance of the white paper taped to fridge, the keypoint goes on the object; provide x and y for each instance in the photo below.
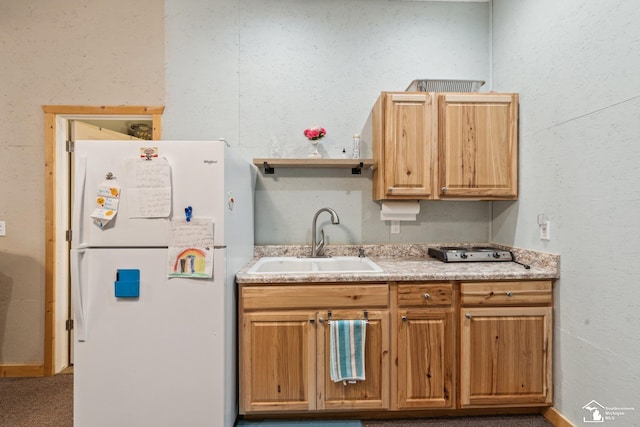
(190, 248)
(148, 188)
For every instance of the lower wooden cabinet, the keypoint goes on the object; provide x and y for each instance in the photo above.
(425, 352)
(424, 349)
(285, 353)
(505, 344)
(373, 392)
(425, 359)
(277, 352)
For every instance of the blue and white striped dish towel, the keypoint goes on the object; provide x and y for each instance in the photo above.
(347, 350)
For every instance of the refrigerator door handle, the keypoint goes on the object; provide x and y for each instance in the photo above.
(79, 297)
(78, 203)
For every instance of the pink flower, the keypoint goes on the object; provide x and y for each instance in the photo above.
(315, 133)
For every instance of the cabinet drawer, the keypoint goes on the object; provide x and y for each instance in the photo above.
(425, 295)
(506, 293)
(314, 296)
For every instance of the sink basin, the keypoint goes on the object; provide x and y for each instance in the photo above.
(339, 264)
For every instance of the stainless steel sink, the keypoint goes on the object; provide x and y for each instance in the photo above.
(293, 265)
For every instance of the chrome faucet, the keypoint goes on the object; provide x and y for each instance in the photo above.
(316, 247)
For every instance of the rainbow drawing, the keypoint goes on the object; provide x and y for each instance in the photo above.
(190, 262)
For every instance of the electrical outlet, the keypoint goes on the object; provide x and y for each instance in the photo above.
(395, 227)
(3, 228)
(545, 231)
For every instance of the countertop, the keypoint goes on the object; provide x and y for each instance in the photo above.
(408, 263)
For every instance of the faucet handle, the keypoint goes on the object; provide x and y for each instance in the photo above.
(361, 253)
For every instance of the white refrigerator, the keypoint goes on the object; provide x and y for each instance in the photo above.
(155, 336)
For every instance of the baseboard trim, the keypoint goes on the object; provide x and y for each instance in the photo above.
(21, 370)
(556, 418)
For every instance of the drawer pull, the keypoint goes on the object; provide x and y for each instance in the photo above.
(509, 293)
(427, 296)
(468, 316)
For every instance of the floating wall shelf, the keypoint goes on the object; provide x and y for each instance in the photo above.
(356, 165)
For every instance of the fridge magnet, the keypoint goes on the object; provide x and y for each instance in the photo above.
(148, 188)
(190, 248)
(107, 201)
(148, 153)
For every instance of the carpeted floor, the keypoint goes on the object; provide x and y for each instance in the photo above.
(48, 402)
(37, 402)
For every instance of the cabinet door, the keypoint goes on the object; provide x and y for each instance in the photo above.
(505, 356)
(425, 358)
(408, 145)
(478, 145)
(371, 393)
(277, 371)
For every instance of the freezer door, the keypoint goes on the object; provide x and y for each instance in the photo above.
(161, 359)
(197, 181)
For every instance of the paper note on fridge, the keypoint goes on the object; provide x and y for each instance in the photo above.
(148, 188)
(190, 248)
(107, 198)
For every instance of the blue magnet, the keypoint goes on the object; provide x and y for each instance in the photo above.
(127, 284)
(187, 213)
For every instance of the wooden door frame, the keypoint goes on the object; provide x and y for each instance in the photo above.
(52, 113)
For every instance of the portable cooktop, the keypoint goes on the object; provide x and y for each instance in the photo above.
(471, 253)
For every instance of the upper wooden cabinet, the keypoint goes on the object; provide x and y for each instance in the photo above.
(403, 146)
(478, 145)
(445, 146)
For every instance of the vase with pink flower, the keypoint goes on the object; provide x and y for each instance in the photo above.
(315, 134)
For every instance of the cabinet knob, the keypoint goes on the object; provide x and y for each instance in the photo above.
(321, 319)
(444, 189)
(468, 316)
(390, 189)
(509, 293)
(404, 318)
(427, 296)
(312, 321)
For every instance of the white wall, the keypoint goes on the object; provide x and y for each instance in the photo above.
(255, 71)
(576, 65)
(68, 52)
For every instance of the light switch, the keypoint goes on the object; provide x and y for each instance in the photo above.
(3, 228)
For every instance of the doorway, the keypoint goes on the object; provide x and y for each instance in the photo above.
(58, 209)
